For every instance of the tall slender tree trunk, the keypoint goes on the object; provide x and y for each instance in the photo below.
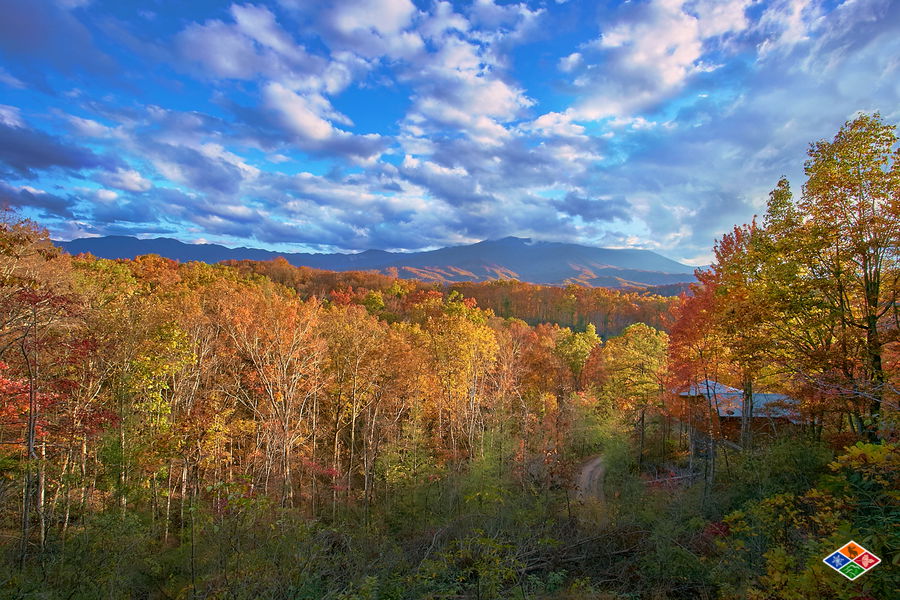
(84, 478)
(28, 485)
(641, 449)
(876, 375)
(123, 466)
(169, 493)
(747, 414)
(41, 496)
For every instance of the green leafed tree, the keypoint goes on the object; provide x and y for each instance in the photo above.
(635, 365)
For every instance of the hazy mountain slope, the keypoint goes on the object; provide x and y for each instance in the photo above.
(517, 258)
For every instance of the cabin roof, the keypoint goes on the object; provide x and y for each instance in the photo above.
(708, 388)
(765, 404)
(730, 401)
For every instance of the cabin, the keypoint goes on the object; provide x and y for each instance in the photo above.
(772, 413)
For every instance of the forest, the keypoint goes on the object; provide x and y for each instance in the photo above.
(257, 430)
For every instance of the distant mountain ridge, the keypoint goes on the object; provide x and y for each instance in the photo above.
(550, 263)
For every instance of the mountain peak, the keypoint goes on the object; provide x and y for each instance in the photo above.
(511, 239)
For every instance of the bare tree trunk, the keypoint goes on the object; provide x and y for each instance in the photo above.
(41, 495)
(184, 471)
(876, 377)
(84, 478)
(315, 438)
(336, 466)
(641, 450)
(30, 455)
(169, 492)
(62, 489)
(747, 414)
(123, 468)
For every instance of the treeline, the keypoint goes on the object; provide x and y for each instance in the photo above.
(610, 311)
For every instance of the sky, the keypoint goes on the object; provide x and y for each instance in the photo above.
(298, 125)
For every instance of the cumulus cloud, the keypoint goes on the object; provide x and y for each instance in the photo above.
(460, 87)
(373, 28)
(125, 179)
(191, 167)
(299, 114)
(554, 124)
(253, 44)
(303, 119)
(649, 53)
(386, 17)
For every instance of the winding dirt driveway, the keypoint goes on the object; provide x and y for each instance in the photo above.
(590, 480)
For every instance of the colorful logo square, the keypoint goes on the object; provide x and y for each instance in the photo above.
(837, 560)
(852, 550)
(867, 560)
(852, 560)
(851, 570)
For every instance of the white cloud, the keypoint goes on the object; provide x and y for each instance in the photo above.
(458, 88)
(442, 19)
(298, 113)
(222, 49)
(7, 79)
(649, 53)
(387, 17)
(787, 23)
(89, 127)
(569, 63)
(253, 45)
(515, 17)
(11, 116)
(554, 124)
(258, 24)
(306, 119)
(374, 28)
(218, 152)
(126, 179)
(636, 123)
(718, 17)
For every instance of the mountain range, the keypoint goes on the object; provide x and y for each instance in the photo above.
(550, 263)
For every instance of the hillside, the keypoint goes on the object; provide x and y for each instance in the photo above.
(549, 263)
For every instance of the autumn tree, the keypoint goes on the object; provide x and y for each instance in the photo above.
(635, 365)
(851, 210)
(35, 303)
(276, 339)
(463, 349)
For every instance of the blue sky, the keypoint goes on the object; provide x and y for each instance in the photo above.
(402, 125)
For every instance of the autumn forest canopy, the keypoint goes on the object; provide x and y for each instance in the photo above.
(259, 430)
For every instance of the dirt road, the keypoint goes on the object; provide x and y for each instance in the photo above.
(590, 480)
